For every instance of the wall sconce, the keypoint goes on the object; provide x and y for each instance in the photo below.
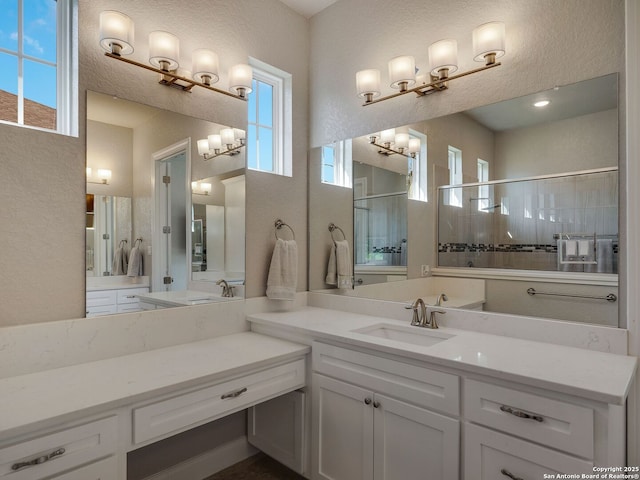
(488, 45)
(116, 37)
(395, 143)
(231, 138)
(200, 188)
(104, 175)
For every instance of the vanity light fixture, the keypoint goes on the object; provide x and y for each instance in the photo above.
(541, 103)
(104, 175)
(488, 45)
(117, 35)
(389, 143)
(232, 139)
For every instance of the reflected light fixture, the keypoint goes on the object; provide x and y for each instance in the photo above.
(541, 103)
(200, 188)
(117, 38)
(391, 143)
(488, 45)
(228, 142)
(103, 174)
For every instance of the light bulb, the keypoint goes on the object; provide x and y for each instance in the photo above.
(402, 72)
(488, 42)
(368, 84)
(164, 50)
(116, 32)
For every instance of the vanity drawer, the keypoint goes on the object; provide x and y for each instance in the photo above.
(102, 297)
(417, 385)
(557, 424)
(197, 407)
(129, 295)
(490, 455)
(66, 449)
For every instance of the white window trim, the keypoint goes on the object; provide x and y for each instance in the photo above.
(342, 164)
(483, 190)
(455, 176)
(419, 190)
(282, 115)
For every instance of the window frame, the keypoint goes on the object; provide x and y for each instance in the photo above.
(66, 69)
(280, 81)
(483, 190)
(418, 170)
(342, 164)
(455, 176)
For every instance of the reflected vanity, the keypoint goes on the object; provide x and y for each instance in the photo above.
(486, 151)
(184, 211)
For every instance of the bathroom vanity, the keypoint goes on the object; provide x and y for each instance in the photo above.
(394, 401)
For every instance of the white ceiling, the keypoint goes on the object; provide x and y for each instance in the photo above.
(308, 8)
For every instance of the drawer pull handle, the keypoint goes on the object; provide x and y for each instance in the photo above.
(130, 296)
(38, 460)
(235, 394)
(521, 414)
(507, 473)
(367, 401)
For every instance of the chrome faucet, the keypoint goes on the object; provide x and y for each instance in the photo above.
(418, 316)
(227, 290)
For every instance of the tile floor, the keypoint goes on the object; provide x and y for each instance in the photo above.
(257, 467)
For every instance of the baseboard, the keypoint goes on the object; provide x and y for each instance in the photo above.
(208, 463)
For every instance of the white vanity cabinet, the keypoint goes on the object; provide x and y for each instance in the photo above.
(108, 302)
(375, 418)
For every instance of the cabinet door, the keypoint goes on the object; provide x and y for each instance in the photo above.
(343, 426)
(413, 443)
(490, 455)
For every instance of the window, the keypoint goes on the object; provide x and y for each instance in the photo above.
(418, 169)
(455, 176)
(483, 190)
(269, 122)
(336, 163)
(38, 87)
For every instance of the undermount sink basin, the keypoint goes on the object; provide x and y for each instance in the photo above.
(407, 334)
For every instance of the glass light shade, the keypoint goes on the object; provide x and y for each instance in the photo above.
(215, 142)
(204, 63)
(104, 174)
(89, 171)
(164, 50)
(402, 69)
(203, 146)
(205, 187)
(116, 32)
(227, 135)
(388, 136)
(240, 78)
(488, 39)
(194, 186)
(443, 54)
(414, 145)
(368, 82)
(402, 140)
(239, 134)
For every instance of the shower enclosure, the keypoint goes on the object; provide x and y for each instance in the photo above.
(566, 222)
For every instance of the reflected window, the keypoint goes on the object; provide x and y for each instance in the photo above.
(337, 163)
(417, 174)
(455, 176)
(269, 120)
(483, 190)
(38, 88)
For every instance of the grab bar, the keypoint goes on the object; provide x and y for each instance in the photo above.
(609, 298)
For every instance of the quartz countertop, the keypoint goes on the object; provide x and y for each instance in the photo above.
(36, 400)
(599, 376)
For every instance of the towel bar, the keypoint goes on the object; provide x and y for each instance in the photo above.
(609, 298)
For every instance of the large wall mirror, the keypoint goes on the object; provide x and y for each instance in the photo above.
(386, 195)
(155, 186)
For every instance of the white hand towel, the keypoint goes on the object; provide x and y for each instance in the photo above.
(570, 247)
(283, 272)
(135, 268)
(340, 268)
(583, 248)
(120, 262)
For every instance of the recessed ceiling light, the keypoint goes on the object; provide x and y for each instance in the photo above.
(541, 103)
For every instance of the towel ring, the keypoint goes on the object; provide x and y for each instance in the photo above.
(332, 227)
(123, 241)
(279, 224)
(135, 244)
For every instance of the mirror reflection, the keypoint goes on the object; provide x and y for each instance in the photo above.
(148, 171)
(567, 129)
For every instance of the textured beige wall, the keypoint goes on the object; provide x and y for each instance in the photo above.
(110, 146)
